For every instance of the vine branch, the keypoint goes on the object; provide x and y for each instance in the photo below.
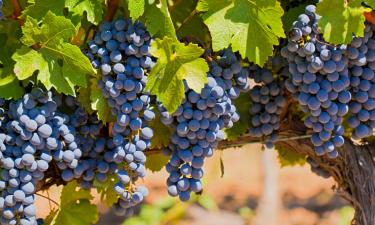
(112, 8)
(49, 199)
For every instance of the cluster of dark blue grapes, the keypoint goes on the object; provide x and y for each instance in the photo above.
(319, 81)
(199, 123)
(121, 51)
(268, 99)
(32, 135)
(361, 53)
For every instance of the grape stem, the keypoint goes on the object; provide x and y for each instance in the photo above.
(187, 19)
(49, 199)
(112, 8)
(17, 11)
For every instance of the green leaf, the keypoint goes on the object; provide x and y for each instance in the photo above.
(11, 90)
(59, 64)
(156, 162)
(40, 8)
(163, 135)
(158, 20)
(340, 20)
(92, 8)
(239, 128)
(192, 29)
(371, 3)
(176, 62)
(289, 158)
(10, 33)
(250, 27)
(84, 94)
(75, 207)
(136, 8)
(107, 191)
(99, 103)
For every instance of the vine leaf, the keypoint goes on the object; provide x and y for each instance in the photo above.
(250, 27)
(289, 158)
(176, 62)
(106, 190)
(189, 23)
(340, 20)
(136, 8)
(163, 135)
(239, 128)
(75, 207)
(59, 64)
(40, 8)
(158, 20)
(93, 9)
(156, 162)
(84, 94)
(77, 9)
(371, 4)
(99, 103)
(10, 32)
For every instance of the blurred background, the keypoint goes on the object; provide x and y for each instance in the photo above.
(243, 186)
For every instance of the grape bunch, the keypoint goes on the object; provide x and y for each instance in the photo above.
(361, 54)
(199, 122)
(267, 98)
(319, 80)
(121, 51)
(32, 135)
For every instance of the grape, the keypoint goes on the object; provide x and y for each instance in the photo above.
(198, 123)
(362, 84)
(125, 45)
(323, 91)
(266, 114)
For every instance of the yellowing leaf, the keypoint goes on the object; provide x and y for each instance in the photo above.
(99, 103)
(340, 20)
(250, 27)
(136, 8)
(75, 207)
(176, 62)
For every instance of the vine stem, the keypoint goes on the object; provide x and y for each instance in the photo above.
(112, 8)
(17, 11)
(49, 199)
(187, 19)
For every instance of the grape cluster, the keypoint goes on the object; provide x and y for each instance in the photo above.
(319, 80)
(361, 54)
(199, 121)
(121, 51)
(32, 135)
(268, 99)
